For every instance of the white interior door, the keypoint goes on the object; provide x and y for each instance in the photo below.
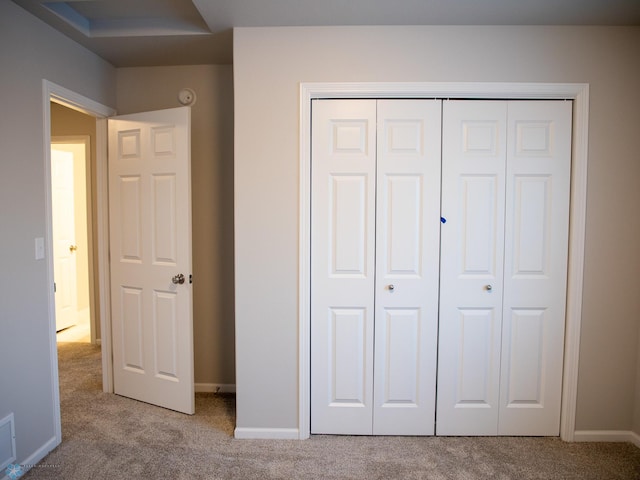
(342, 265)
(506, 176)
(472, 252)
(64, 244)
(535, 269)
(150, 250)
(502, 254)
(375, 236)
(407, 266)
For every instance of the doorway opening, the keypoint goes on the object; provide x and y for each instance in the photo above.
(54, 96)
(72, 222)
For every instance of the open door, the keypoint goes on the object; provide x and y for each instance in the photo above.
(64, 243)
(150, 257)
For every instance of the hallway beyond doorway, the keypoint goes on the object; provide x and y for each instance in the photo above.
(79, 333)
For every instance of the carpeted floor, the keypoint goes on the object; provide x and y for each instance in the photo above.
(110, 437)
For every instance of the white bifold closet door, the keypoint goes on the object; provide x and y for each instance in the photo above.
(505, 197)
(374, 265)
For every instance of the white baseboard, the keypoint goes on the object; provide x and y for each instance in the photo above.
(33, 459)
(267, 433)
(607, 436)
(215, 387)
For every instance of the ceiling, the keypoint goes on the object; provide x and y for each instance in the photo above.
(130, 33)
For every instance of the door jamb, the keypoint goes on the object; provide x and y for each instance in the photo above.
(578, 92)
(52, 92)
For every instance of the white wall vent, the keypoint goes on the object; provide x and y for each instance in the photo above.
(7, 442)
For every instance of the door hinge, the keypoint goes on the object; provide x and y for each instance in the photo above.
(54, 287)
(190, 278)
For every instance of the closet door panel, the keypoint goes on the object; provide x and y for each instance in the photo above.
(407, 266)
(535, 268)
(472, 250)
(342, 265)
(392, 285)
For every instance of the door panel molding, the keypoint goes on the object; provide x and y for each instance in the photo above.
(407, 265)
(471, 259)
(578, 92)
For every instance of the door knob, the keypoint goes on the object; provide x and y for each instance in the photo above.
(488, 288)
(73, 248)
(178, 279)
(392, 287)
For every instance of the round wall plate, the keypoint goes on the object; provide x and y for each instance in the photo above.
(186, 96)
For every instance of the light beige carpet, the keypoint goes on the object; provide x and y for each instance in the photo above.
(109, 437)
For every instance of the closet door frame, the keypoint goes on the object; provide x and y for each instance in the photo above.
(578, 92)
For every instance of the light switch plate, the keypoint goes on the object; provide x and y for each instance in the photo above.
(39, 248)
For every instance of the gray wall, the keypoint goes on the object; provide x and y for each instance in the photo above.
(29, 53)
(636, 415)
(270, 63)
(153, 88)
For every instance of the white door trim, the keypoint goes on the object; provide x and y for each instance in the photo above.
(578, 92)
(52, 92)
